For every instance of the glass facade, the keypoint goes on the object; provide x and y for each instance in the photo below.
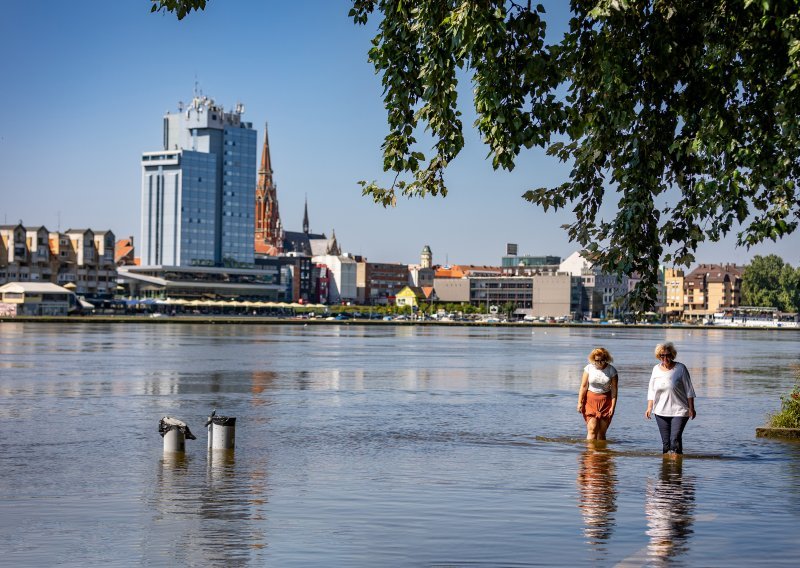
(514, 261)
(238, 195)
(198, 194)
(198, 209)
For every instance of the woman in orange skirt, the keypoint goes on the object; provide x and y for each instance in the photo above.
(597, 396)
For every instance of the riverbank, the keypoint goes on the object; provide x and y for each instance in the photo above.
(778, 433)
(265, 320)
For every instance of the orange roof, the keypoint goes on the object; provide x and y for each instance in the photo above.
(462, 270)
(123, 249)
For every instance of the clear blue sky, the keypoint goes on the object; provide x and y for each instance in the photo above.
(85, 86)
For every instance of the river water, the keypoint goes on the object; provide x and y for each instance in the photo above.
(386, 446)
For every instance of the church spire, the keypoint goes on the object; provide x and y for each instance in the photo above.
(266, 159)
(333, 245)
(268, 233)
(305, 217)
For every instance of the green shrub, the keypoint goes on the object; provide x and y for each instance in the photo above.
(789, 414)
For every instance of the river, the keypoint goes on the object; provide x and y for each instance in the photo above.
(386, 446)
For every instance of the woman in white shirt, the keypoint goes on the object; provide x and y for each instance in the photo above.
(670, 397)
(597, 396)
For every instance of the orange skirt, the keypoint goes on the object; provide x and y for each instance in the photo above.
(597, 406)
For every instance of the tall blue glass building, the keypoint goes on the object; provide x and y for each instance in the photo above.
(198, 193)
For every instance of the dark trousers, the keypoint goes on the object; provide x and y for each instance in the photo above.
(671, 428)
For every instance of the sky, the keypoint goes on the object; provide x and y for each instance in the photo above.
(85, 86)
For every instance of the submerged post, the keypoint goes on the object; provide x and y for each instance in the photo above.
(175, 433)
(221, 432)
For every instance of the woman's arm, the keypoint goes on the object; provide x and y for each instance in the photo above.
(688, 388)
(582, 391)
(651, 395)
(614, 383)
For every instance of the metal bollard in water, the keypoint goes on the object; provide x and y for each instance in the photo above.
(221, 432)
(175, 433)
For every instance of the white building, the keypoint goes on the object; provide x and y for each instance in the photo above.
(601, 290)
(36, 299)
(342, 271)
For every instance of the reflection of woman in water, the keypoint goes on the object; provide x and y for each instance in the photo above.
(597, 485)
(597, 396)
(669, 508)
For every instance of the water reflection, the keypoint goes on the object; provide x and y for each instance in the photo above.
(597, 480)
(205, 519)
(261, 382)
(669, 508)
(373, 449)
(793, 476)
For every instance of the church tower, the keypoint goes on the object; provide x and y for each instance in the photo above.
(426, 257)
(269, 232)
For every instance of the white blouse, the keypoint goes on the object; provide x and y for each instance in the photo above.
(600, 379)
(670, 390)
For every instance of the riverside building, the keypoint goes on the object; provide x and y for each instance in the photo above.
(198, 212)
(198, 191)
(81, 260)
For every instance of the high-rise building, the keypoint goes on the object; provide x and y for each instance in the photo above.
(198, 192)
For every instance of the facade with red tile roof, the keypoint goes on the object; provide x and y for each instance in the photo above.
(464, 271)
(124, 253)
(711, 287)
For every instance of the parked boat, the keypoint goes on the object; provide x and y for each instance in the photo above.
(745, 316)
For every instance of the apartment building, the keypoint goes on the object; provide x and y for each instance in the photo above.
(81, 260)
(379, 282)
(711, 287)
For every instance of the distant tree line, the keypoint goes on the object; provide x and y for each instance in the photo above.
(770, 282)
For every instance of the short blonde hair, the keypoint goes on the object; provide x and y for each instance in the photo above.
(668, 347)
(600, 354)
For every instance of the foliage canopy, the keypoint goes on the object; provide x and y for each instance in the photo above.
(682, 113)
(768, 281)
(179, 7)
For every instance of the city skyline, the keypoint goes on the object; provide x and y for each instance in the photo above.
(92, 86)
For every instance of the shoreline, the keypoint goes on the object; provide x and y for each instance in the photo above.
(259, 320)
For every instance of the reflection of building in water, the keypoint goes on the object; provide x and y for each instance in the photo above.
(669, 508)
(716, 377)
(261, 381)
(160, 382)
(597, 481)
(567, 376)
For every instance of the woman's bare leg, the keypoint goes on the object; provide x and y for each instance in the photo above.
(602, 427)
(592, 428)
